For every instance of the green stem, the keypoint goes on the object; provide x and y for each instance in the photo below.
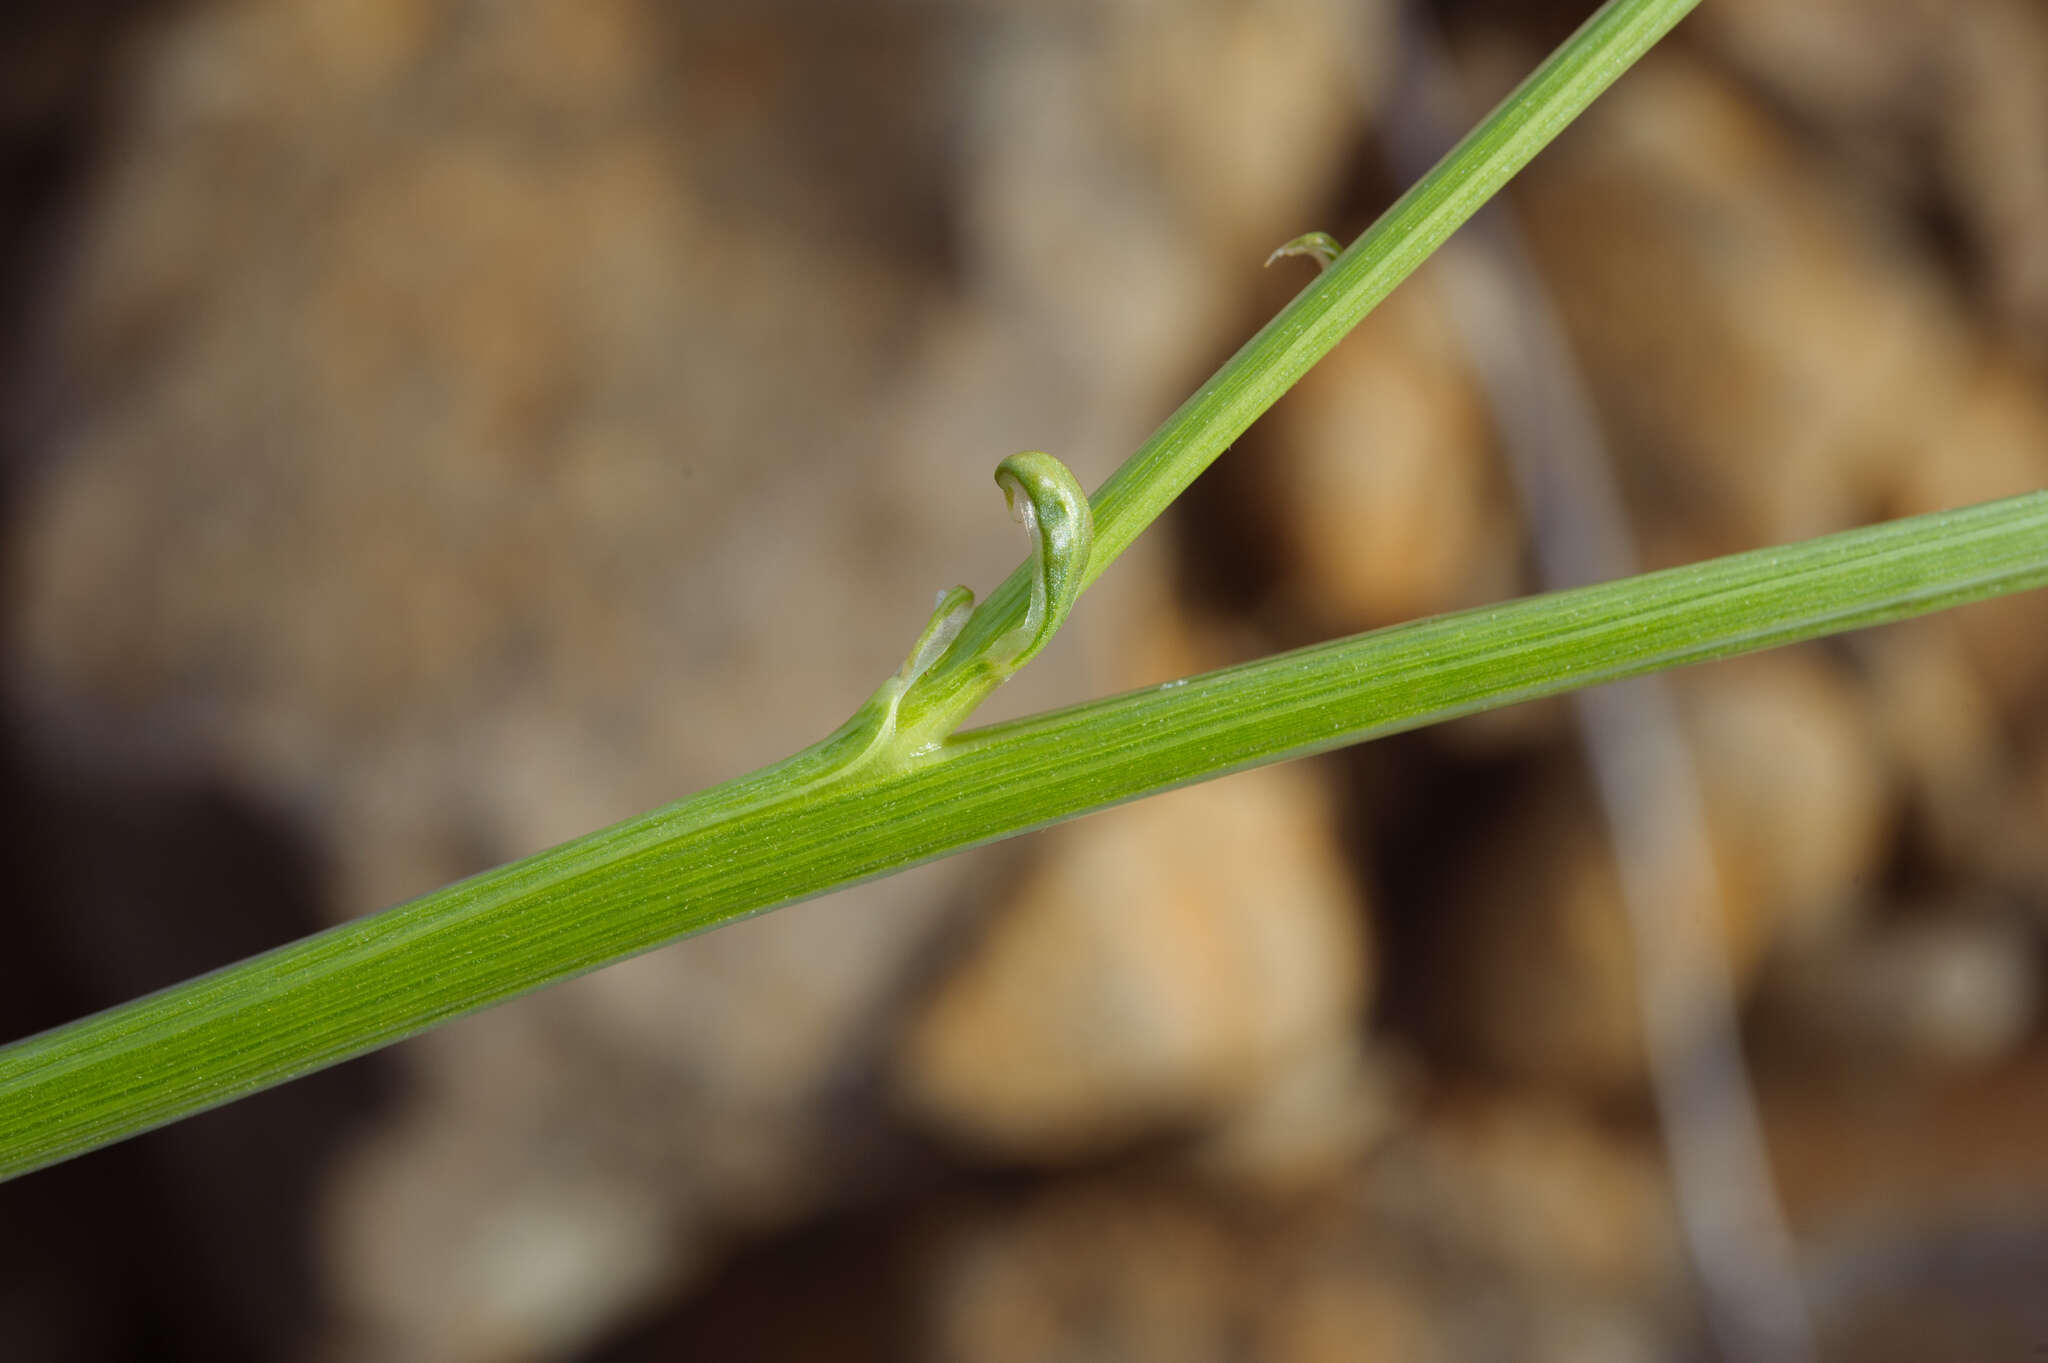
(766, 841)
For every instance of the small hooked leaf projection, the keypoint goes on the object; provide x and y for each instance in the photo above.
(1321, 245)
(1050, 505)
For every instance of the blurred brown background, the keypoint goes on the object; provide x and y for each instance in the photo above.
(433, 430)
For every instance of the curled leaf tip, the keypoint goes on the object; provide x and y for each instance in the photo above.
(1321, 245)
(1045, 497)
